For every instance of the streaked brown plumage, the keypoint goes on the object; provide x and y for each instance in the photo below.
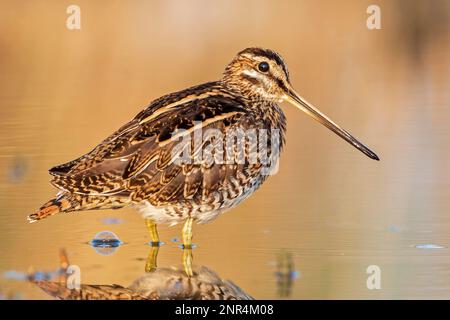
(134, 166)
(162, 284)
(159, 284)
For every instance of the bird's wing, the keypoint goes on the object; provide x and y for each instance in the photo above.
(137, 160)
(104, 148)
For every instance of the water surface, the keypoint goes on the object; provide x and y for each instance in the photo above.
(313, 229)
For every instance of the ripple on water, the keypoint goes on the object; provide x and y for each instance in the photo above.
(112, 220)
(428, 246)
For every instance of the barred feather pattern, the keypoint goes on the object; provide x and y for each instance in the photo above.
(162, 284)
(134, 166)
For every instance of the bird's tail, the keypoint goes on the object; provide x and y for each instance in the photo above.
(54, 206)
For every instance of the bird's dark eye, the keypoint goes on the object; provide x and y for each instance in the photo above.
(263, 66)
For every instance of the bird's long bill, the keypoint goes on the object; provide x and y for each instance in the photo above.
(302, 104)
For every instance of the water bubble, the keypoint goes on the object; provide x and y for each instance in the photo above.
(105, 242)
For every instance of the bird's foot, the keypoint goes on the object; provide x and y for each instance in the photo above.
(156, 243)
(187, 246)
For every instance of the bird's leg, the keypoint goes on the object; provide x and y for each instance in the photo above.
(187, 233)
(152, 229)
(187, 261)
(150, 265)
(187, 247)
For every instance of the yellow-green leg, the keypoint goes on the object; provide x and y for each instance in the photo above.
(187, 247)
(150, 265)
(187, 233)
(187, 262)
(152, 230)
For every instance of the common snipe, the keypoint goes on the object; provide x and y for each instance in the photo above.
(170, 283)
(137, 165)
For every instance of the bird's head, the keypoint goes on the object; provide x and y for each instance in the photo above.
(261, 75)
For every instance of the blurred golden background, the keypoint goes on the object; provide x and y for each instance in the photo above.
(334, 210)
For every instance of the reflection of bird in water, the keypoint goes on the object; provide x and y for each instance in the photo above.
(285, 273)
(137, 165)
(18, 169)
(158, 284)
(9, 295)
